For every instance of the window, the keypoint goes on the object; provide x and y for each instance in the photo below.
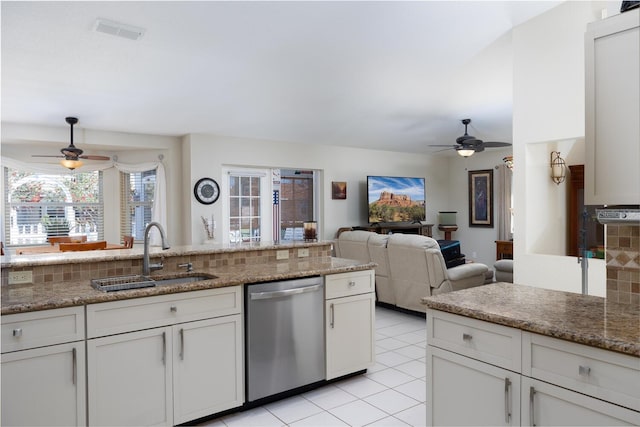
(296, 203)
(245, 213)
(253, 213)
(38, 205)
(136, 192)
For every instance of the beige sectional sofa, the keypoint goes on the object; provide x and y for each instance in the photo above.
(410, 266)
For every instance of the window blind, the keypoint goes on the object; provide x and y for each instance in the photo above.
(136, 199)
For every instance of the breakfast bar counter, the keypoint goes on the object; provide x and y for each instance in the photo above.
(583, 319)
(64, 279)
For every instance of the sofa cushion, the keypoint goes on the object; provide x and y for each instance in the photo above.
(353, 245)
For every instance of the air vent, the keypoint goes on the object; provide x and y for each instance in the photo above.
(117, 29)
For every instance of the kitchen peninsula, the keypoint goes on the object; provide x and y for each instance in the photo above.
(160, 355)
(519, 355)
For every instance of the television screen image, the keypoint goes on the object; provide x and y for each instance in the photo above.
(395, 199)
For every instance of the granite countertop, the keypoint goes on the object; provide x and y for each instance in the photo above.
(583, 319)
(30, 297)
(11, 260)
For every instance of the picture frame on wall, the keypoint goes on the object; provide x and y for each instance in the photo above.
(338, 190)
(481, 198)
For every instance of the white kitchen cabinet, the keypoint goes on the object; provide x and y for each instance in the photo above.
(545, 404)
(43, 368)
(350, 320)
(44, 386)
(130, 379)
(479, 372)
(207, 367)
(612, 100)
(464, 391)
(473, 372)
(169, 374)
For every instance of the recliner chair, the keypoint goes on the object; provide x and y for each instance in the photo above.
(418, 270)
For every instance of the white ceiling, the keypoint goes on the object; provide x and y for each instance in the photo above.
(383, 75)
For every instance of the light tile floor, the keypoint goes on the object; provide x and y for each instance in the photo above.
(391, 393)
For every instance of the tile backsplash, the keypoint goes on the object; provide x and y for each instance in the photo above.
(623, 263)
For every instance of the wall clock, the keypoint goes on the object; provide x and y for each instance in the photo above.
(206, 191)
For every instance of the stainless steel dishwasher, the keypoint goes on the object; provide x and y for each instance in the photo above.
(284, 336)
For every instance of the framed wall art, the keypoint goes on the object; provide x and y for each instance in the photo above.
(481, 198)
(338, 190)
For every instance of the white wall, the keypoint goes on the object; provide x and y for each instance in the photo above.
(548, 114)
(477, 243)
(208, 154)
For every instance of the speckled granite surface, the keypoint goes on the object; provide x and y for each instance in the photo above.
(13, 260)
(32, 297)
(583, 319)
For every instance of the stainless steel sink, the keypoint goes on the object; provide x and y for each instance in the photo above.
(121, 283)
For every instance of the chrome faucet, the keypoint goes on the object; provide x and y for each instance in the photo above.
(146, 267)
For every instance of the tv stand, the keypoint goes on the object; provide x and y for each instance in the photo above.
(407, 228)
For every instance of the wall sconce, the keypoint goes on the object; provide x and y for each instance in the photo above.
(508, 161)
(558, 168)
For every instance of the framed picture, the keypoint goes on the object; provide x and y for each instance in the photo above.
(481, 198)
(338, 190)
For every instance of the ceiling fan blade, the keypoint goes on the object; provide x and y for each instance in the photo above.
(493, 144)
(94, 157)
(45, 155)
(448, 145)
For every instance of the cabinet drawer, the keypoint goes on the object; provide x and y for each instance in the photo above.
(142, 313)
(607, 375)
(39, 328)
(495, 344)
(352, 283)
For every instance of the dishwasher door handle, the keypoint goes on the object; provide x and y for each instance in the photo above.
(285, 293)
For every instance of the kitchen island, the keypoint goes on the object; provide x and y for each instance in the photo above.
(505, 354)
(160, 355)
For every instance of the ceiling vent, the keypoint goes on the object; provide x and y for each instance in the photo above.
(117, 29)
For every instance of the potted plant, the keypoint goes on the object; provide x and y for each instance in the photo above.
(56, 226)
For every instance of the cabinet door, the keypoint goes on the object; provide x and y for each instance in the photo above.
(544, 404)
(463, 391)
(44, 386)
(350, 335)
(208, 367)
(612, 129)
(129, 379)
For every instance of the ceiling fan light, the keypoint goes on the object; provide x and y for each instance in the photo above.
(70, 163)
(465, 152)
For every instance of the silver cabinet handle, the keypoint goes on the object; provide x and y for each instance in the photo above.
(164, 348)
(173, 309)
(74, 366)
(352, 283)
(467, 337)
(532, 392)
(331, 321)
(507, 400)
(17, 332)
(584, 370)
(181, 343)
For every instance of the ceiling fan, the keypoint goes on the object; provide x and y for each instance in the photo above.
(468, 144)
(72, 154)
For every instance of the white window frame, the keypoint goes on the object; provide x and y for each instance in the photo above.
(266, 191)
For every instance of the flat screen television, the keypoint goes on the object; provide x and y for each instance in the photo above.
(395, 199)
